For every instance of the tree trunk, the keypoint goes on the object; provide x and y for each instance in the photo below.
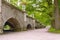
(56, 15)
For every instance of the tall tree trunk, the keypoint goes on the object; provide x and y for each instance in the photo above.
(56, 14)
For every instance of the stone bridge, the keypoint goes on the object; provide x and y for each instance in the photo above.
(16, 17)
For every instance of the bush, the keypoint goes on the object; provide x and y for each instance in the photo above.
(53, 30)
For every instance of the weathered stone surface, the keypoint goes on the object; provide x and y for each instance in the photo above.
(0, 5)
(30, 21)
(13, 15)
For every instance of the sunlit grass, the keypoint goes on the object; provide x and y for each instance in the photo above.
(7, 27)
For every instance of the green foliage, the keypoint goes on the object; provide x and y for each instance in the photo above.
(7, 27)
(59, 4)
(43, 12)
(53, 30)
(13, 2)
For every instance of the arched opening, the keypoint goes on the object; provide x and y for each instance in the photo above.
(11, 25)
(29, 26)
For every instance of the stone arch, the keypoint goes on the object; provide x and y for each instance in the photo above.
(13, 23)
(29, 26)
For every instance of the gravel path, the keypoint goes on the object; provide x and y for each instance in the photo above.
(37, 34)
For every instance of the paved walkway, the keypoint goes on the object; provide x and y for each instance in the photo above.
(38, 34)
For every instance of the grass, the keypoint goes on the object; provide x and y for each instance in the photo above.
(7, 27)
(53, 30)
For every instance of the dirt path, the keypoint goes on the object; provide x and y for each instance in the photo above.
(37, 34)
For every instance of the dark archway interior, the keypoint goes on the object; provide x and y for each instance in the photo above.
(13, 25)
(29, 26)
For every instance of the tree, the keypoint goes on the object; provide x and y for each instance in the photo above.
(57, 15)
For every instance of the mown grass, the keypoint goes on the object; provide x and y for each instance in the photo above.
(53, 30)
